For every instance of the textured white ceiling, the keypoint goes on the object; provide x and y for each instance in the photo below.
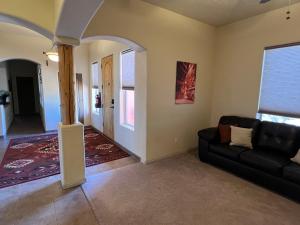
(220, 12)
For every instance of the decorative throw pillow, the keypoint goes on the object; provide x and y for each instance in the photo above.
(225, 133)
(296, 159)
(241, 136)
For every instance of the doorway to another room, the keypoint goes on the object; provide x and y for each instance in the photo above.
(118, 92)
(24, 89)
(23, 109)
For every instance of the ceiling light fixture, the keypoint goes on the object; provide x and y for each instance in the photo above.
(53, 56)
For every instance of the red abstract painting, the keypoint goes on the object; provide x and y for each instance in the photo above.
(185, 82)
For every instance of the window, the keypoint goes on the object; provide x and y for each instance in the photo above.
(280, 119)
(95, 86)
(280, 93)
(127, 88)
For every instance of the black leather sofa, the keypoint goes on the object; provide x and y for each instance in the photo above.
(267, 164)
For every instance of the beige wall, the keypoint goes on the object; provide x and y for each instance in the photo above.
(167, 37)
(39, 12)
(239, 57)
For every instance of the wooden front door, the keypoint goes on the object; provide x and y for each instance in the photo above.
(79, 90)
(108, 96)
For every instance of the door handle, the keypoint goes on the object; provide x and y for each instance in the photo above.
(112, 107)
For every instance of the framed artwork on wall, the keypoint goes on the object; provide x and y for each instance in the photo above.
(185, 82)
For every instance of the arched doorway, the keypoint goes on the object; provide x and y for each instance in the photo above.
(23, 109)
(126, 104)
(30, 78)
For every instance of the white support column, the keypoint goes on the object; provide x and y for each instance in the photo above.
(71, 154)
(70, 134)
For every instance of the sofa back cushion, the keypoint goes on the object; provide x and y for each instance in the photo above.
(243, 122)
(278, 137)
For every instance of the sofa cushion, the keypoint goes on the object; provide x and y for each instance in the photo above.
(231, 152)
(225, 133)
(292, 172)
(241, 136)
(296, 159)
(266, 161)
(242, 122)
(279, 138)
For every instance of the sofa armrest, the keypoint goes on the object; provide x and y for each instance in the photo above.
(209, 134)
(206, 137)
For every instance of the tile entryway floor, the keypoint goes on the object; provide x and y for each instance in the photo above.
(44, 202)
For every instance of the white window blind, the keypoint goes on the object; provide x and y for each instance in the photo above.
(128, 70)
(95, 74)
(280, 85)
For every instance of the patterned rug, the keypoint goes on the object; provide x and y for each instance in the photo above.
(32, 158)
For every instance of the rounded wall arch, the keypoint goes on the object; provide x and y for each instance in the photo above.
(133, 45)
(24, 23)
(132, 139)
(31, 47)
(16, 58)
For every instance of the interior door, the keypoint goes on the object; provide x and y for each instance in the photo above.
(79, 91)
(26, 98)
(108, 96)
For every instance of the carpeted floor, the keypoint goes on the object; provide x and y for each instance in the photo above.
(184, 191)
(176, 191)
(36, 157)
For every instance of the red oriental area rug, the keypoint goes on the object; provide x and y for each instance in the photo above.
(32, 158)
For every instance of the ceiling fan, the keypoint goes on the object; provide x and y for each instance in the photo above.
(263, 1)
(288, 12)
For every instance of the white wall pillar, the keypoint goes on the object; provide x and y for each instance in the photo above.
(71, 154)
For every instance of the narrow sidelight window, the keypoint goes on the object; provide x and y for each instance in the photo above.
(95, 87)
(127, 88)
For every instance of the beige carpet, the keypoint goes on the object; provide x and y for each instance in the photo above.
(182, 190)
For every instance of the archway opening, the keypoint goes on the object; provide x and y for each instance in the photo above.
(121, 114)
(4, 18)
(22, 108)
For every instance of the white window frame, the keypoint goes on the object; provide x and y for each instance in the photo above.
(123, 111)
(278, 119)
(123, 100)
(272, 117)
